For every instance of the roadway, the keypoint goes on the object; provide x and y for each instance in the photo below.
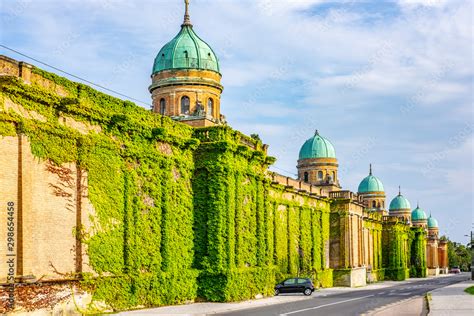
(354, 302)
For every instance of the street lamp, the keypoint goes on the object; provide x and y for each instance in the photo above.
(472, 255)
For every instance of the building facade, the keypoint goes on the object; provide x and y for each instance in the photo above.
(141, 200)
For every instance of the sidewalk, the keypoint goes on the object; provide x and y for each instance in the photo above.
(452, 300)
(201, 309)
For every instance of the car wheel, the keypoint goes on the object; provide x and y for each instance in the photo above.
(277, 291)
(307, 292)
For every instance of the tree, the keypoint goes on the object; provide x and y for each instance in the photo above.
(459, 255)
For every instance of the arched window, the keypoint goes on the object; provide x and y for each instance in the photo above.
(306, 177)
(185, 105)
(320, 175)
(334, 175)
(374, 204)
(210, 106)
(162, 106)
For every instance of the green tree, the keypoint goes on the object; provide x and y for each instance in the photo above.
(459, 255)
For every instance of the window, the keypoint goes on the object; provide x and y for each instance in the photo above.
(303, 281)
(320, 175)
(306, 177)
(334, 175)
(210, 106)
(374, 204)
(162, 106)
(289, 282)
(185, 105)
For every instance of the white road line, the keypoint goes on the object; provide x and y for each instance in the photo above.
(321, 306)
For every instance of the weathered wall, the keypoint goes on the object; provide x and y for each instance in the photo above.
(395, 250)
(144, 203)
(252, 231)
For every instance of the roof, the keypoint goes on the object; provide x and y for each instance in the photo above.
(432, 222)
(399, 203)
(418, 214)
(317, 147)
(370, 184)
(186, 51)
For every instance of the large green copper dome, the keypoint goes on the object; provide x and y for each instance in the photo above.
(418, 214)
(370, 184)
(186, 51)
(399, 203)
(317, 147)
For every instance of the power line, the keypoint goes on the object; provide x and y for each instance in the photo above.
(74, 76)
(289, 172)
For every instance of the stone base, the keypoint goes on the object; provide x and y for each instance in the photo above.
(433, 271)
(443, 271)
(375, 275)
(350, 277)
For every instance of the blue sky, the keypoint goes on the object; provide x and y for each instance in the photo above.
(387, 82)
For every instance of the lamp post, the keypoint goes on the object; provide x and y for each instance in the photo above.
(472, 255)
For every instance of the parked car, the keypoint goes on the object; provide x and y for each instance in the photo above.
(455, 270)
(295, 285)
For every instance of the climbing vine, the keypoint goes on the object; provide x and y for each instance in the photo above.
(179, 213)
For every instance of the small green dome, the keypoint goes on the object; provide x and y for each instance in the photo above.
(432, 223)
(418, 214)
(399, 203)
(317, 147)
(370, 184)
(186, 51)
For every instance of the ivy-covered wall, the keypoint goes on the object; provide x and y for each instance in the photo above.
(417, 252)
(395, 250)
(249, 232)
(180, 213)
(139, 170)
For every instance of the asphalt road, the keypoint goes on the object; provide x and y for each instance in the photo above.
(352, 303)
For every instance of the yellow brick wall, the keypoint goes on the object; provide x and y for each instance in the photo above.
(47, 197)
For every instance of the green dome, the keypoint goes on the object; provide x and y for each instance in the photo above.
(418, 214)
(370, 184)
(432, 223)
(186, 51)
(399, 203)
(317, 147)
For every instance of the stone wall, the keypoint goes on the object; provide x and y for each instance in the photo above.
(50, 202)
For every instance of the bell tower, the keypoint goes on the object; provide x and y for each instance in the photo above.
(186, 79)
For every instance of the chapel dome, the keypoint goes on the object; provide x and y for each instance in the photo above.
(432, 222)
(186, 51)
(317, 147)
(370, 184)
(418, 214)
(399, 203)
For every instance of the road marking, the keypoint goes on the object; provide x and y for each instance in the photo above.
(317, 307)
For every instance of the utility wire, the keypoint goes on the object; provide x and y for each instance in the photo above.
(74, 76)
(289, 172)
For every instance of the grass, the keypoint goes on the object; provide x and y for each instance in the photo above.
(470, 290)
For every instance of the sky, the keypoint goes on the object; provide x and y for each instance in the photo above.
(387, 82)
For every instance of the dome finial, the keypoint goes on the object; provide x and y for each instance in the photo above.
(187, 19)
(399, 191)
(417, 204)
(316, 132)
(370, 169)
